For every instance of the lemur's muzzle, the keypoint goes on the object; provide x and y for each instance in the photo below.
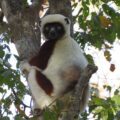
(52, 33)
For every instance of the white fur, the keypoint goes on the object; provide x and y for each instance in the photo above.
(66, 53)
(56, 18)
(42, 99)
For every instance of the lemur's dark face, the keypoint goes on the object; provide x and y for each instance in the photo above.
(53, 31)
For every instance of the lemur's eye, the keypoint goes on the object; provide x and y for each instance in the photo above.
(59, 27)
(46, 28)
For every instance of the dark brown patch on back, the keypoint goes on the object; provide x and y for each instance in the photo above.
(44, 82)
(46, 50)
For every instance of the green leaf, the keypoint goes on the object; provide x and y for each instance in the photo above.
(116, 98)
(117, 2)
(109, 88)
(7, 73)
(2, 90)
(104, 114)
(98, 109)
(7, 56)
(59, 106)
(116, 22)
(2, 53)
(116, 92)
(107, 55)
(94, 1)
(75, 4)
(81, 22)
(85, 8)
(49, 114)
(18, 117)
(8, 102)
(109, 10)
(118, 115)
(5, 118)
(90, 59)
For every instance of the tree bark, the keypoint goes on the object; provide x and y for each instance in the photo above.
(24, 32)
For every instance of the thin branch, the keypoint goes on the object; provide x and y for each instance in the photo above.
(1, 16)
(18, 99)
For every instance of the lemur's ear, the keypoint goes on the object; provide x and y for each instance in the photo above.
(67, 20)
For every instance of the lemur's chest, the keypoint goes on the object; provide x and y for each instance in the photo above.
(63, 67)
(66, 53)
(64, 63)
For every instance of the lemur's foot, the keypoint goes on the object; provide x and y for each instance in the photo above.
(37, 112)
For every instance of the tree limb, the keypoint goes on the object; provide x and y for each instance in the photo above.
(18, 99)
(74, 108)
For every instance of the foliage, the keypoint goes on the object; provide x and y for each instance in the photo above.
(100, 27)
(12, 90)
(99, 24)
(105, 109)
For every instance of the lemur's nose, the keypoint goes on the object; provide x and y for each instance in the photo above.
(52, 32)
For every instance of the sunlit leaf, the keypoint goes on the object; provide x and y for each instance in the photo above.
(105, 22)
(109, 10)
(49, 115)
(107, 55)
(116, 98)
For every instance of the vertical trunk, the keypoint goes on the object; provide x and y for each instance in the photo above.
(25, 32)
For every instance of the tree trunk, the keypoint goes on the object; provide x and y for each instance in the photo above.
(24, 32)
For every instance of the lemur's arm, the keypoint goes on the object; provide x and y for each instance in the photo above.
(42, 58)
(39, 63)
(40, 78)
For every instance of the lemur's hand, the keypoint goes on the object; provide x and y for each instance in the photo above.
(25, 67)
